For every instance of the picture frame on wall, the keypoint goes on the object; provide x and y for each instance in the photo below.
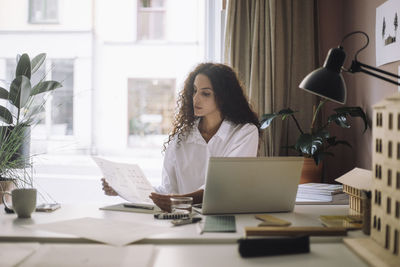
(387, 32)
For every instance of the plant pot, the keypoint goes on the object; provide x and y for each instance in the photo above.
(311, 172)
(19, 152)
(6, 185)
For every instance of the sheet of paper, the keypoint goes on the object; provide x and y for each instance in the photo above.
(127, 180)
(117, 233)
(91, 255)
(13, 253)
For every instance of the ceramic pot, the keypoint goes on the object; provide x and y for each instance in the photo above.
(6, 185)
(311, 173)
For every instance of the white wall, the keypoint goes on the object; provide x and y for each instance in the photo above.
(75, 15)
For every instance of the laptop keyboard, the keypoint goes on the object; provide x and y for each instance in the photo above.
(220, 223)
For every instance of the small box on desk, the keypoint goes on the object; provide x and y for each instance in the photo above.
(258, 247)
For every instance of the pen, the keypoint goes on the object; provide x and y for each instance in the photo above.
(172, 216)
(186, 221)
(138, 206)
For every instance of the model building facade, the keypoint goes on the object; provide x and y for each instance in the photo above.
(385, 214)
(354, 182)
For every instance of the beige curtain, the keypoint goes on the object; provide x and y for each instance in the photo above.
(272, 45)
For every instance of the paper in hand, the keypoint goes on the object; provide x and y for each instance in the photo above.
(127, 180)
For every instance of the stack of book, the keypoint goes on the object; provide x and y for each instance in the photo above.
(321, 194)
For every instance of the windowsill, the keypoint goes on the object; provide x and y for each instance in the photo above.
(43, 22)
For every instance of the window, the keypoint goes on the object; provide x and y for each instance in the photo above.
(62, 105)
(388, 205)
(151, 20)
(379, 119)
(389, 177)
(396, 242)
(378, 145)
(379, 224)
(43, 11)
(151, 104)
(398, 150)
(398, 121)
(397, 212)
(374, 221)
(378, 171)
(390, 121)
(387, 236)
(379, 198)
(397, 180)
(58, 118)
(390, 149)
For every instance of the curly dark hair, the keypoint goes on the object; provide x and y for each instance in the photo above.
(229, 96)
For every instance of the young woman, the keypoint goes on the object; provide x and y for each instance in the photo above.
(214, 120)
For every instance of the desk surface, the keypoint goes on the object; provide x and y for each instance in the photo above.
(13, 230)
(183, 246)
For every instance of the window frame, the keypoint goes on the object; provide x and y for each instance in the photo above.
(153, 10)
(33, 20)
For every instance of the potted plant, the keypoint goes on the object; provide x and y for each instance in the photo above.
(315, 144)
(20, 108)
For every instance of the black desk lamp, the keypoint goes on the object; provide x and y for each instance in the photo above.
(328, 82)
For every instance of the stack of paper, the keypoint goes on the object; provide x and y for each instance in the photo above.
(319, 193)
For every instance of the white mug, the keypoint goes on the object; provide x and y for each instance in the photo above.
(23, 201)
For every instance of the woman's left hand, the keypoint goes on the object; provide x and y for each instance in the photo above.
(162, 201)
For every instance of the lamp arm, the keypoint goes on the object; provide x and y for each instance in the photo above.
(357, 66)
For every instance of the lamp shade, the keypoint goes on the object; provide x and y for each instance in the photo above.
(328, 81)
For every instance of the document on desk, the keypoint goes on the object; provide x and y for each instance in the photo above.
(127, 180)
(90, 255)
(117, 233)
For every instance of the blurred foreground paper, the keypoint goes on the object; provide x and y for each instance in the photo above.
(117, 233)
(13, 253)
(127, 180)
(91, 255)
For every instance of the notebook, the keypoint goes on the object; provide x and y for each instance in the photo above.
(251, 185)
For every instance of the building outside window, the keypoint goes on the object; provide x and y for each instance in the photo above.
(151, 20)
(43, 11)
(151, 104)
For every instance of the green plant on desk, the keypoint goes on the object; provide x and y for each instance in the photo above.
(20, 109)
(316, 143)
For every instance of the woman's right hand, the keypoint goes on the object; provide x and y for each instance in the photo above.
(108, 190)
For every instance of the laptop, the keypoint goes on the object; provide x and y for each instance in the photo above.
(251, 185)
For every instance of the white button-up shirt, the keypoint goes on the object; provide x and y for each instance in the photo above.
(185, 164)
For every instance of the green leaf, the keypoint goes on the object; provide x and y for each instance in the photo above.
(5, 115)
(318, 157)
(308, 144)
(333, 142)
(20, 89)
(322, 134)
(37, 62)
(354, 112)
(339, 119)
(45, 86)
(3, 93)
(267, 119)
(286, 112)
(34, 110)
(24, 66)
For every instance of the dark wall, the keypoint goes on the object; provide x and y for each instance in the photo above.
(337, 18)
